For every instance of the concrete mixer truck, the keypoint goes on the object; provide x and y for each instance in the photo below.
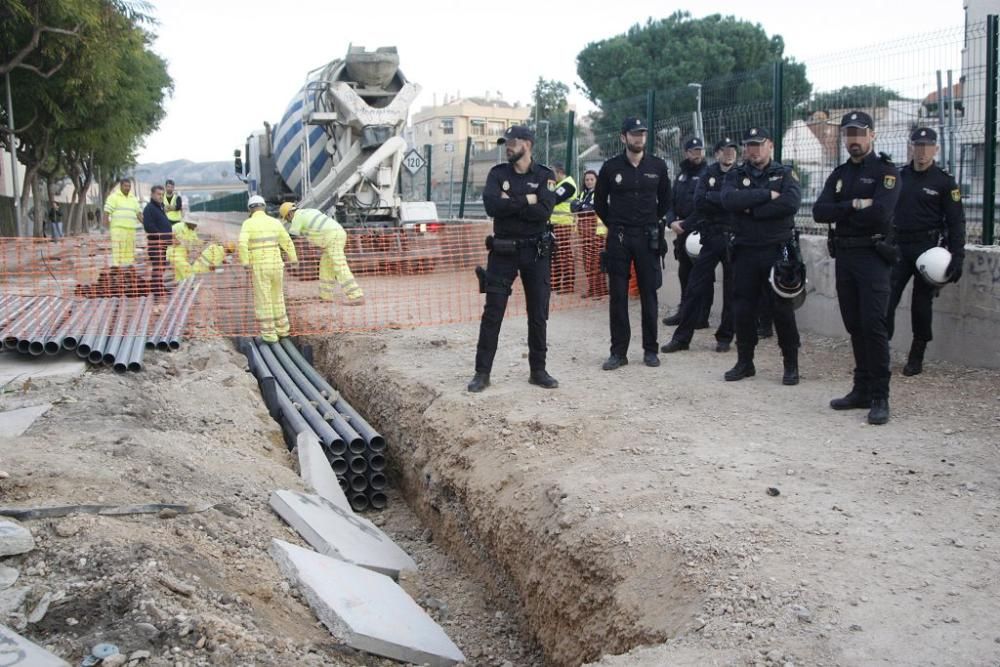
(339, 147)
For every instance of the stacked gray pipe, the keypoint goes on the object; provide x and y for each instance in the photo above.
(359, 457)
(166, 334)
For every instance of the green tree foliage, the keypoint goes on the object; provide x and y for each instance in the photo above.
(849, 97)
(731, 58)
(87, 88)
(551, 106)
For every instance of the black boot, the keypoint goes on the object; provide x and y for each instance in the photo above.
(791, 359)
(615, 362)
(915, 360)
(674, 346)
(744, 367)
(855, 400)
(543, 379)
(674, 319)
(479, 382)
(879, 412)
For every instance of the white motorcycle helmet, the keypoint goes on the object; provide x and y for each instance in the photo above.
(692, 245)
(933, 266)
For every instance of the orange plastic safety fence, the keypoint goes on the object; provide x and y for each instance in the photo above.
(408, 277)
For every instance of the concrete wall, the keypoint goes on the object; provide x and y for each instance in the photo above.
(966, 315)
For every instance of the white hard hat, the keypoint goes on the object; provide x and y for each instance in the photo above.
(933, 265)
(256, 200)
(693, 244)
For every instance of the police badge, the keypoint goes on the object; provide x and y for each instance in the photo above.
(746, 182)
(956, 195)
(618, 178)
(839, 186)
(711, 181)
(889, 182)
(506, 186)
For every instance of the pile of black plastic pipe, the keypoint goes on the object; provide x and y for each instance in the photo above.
(166, 334)
(300, 399)
(109, 331)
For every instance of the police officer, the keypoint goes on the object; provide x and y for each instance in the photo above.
(519, 196)
(682, 210)
(714, 225)
(764, 197)
(859, 197)
(631, 195)
(929, 212)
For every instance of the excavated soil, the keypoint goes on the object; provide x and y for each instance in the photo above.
(713, 522)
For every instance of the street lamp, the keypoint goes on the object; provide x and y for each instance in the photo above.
(698, 129)
(546, 140)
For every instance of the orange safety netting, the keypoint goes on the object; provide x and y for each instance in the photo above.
(410, 277)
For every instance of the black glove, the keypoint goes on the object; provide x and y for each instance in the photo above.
(954, 271)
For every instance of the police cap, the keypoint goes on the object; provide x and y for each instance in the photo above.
(694, 143)
(756, 135)
(923, 136)
(517, 132)
(633, 124)
(857, 119)
(725, 142)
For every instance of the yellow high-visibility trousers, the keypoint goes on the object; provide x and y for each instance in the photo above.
(269, 300)
(122, 246)
(333, 268)
(177, 256)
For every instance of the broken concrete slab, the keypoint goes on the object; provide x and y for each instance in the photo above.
(15, 367)
(364, 609)
(16, 650)
(340, 533)
(14, 538)
(15, 422)
(13, 599)
(8, 575)
(315, 470)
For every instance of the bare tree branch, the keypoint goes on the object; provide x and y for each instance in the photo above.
(44, 75)
(36, 36)
(24, 128)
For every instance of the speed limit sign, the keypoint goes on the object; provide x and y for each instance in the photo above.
(414, 162)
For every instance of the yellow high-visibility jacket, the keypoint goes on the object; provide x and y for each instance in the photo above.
(314, 225)
(170, 205)
(185, 237)
(562, 214)
(122, 210)
(262, 238)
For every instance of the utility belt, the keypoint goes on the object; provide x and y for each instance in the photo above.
(884, 246)
(715, 229)
(543, 244)
(917, 236)
(655, 235)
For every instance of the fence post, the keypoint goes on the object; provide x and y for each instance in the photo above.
(651, 122)
(465, 177)
(570, 152)
(778, 107)
(990, 138)
(427, 153)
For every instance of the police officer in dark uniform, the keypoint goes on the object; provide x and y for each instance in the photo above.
(519, 196)
(763, 196)
(631, 196)
(682, 210)
(860, 197)
(929, 213)
(714, 225)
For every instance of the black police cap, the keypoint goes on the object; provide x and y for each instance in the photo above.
(633, 124)
(923, 136)
(857, 119)
(725, 142)
(693, 143)
(756, 135)
(517, 132)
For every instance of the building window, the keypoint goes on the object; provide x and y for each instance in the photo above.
(495, 128)
(477, 127)
(448, 125)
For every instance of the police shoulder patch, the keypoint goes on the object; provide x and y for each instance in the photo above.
(552, 185)
(889, 181)
(956, 195)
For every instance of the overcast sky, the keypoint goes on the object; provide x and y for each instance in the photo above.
(237, 64)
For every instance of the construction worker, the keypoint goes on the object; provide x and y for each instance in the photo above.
(262, 238)
(563, 222)
(122, 214)
(186, 244)
(172, 203)
(325, 233)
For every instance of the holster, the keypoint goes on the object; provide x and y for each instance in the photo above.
(888, 251)
(490, 283)
(501, 246)
(547, 244)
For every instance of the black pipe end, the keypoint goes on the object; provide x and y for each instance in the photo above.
(378, 500)
(378, 481)
(377, 443)
(358, 483)
(359, 502)
(357, 446)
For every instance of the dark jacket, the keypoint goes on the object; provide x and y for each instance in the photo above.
(154, 219)
(514, 217)
(873, 178)
(682, 197)
(760, 219)
(710, 216)
(627, 196)
(930, 201)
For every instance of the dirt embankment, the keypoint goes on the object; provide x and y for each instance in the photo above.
(632, 507)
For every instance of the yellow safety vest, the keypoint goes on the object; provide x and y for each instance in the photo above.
(262, 238)
(562, 214)
(313, 224)
(185, 237)
(123, 210)
(174, 214)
